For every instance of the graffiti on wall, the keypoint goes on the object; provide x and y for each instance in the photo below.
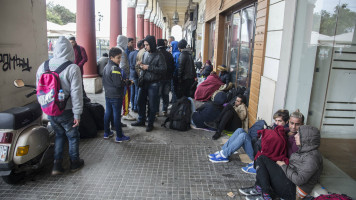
(9, 62)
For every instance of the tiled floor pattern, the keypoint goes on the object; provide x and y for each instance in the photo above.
(144, 168)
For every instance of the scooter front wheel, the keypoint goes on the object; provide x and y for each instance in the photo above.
(13, 178)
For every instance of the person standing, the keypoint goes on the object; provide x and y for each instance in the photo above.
(153, 66)
(165, 83)
(122, 43)
(186, 70)
(102, 63)
(66, 124)
(80, 54)
(174, 82)
(114, 84)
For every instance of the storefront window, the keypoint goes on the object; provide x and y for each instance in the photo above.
(211, 41)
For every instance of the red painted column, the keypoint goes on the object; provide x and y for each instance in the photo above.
(115, 21)
(151, 28)
(146, 30)
(86, 35)
(140, 27)
(131, 23)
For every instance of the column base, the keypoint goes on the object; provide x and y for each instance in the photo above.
(93, 85)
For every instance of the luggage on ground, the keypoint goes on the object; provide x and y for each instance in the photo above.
(180, 115)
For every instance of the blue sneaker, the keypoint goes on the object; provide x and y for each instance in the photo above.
(249, 170)
(213, 155)
(250, 164)
(108, 135)
(122, 139)
(219, 159)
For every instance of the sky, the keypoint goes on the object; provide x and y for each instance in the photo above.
(102, 6)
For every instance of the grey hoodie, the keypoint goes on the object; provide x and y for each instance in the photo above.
(306, 164)
(70, 78)
(122, 42)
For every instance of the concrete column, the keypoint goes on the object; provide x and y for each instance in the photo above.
(115, 21)
(147, 16)
(86, 35)
(151, 28)
(140, 27)
(131, 20)
(152, 17)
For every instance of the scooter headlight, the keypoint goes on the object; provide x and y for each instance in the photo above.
(21, 151)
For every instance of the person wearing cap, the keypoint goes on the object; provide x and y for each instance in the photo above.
(224, 74)
(186, 71)
(165, 84)
(153, 67)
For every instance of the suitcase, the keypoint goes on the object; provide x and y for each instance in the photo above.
(97, 111)
(87, 126)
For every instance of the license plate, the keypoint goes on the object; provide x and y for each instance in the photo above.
(3, 152)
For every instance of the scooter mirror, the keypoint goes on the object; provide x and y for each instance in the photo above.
(19, 83)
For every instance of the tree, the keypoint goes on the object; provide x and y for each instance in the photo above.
(59, 14)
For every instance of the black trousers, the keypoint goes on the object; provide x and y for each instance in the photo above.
(228, 119)
(184, 88)
(273, 181)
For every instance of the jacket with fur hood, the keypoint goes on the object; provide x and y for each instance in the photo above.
(70, 78)
(122, 42)
(306, 164)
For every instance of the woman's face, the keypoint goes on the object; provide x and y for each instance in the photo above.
(238, 101)
(279, 121)
(297, 138)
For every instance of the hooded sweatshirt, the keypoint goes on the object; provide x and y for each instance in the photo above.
(306, 164)
(124, 64)
(175, 54)
(70, 77)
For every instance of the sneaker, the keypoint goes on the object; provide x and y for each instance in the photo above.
(122, 139)
(213, 155)
(76, 165)
(249, 170)
(138, 124)
(108, 135)
(212, 125)
(249, 191)
(219, 159)
(129, 117)
(255, 197)
(250, 164)
(123, 125)
(57, 167)
(149, 128)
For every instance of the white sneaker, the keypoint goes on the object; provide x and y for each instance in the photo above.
(129, 117)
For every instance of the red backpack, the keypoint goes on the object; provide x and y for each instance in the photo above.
(333, 197)
(48, 88)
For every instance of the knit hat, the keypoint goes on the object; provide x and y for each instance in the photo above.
(182, 44)
(160, 43)
(151, 40)
(222, 68)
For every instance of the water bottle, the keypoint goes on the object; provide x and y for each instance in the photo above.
(61, 96)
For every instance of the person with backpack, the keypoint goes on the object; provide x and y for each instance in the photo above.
(65, 121)
(231, 118)
(114, 85)
(277, 178)
(186, 70)
(165, 83)
(174, 82)
(153, 66)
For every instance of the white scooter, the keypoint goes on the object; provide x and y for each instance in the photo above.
(25, 140)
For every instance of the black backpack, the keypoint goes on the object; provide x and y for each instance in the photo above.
(179, 117)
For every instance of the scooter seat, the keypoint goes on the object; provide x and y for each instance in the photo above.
(18, 117)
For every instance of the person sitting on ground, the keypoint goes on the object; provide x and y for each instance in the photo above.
(207, 69)
(231, 118)
(278, 178)
(208, 111)
(114, 84)
(102, 63)
(296, 119)
(207, 88)
(224, 74)
(239, 138)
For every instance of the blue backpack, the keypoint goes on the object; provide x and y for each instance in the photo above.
(259, 125)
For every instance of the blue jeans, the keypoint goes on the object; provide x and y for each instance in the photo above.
(149, 90)
(134, 94)
(164, 88)
(239, 138)
(63, 126)
(113, 107)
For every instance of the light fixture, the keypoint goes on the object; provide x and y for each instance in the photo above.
(175, 17)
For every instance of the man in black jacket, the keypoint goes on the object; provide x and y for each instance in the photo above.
(165, 84)
(153, 67)
(186, 70)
